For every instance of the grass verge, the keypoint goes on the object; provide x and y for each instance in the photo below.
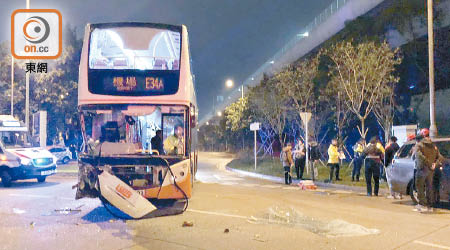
(273, 167)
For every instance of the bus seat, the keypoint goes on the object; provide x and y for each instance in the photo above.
(120, 62)
(160, 64)
(110, 131)
(175, 65)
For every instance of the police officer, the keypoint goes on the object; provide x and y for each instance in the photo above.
(373, 156)
(426, 157)
(358, 161)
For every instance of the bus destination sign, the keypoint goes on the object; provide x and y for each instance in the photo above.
(133, 83)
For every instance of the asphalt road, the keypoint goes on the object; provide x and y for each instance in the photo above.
(228, 211)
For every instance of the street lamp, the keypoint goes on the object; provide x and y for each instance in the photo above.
(306, 34)
(219, 113)
(433, 128)
(229, 83)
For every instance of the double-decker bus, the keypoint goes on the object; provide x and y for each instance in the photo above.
(138, 112)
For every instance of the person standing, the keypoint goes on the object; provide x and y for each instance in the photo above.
(391, 149)
(300, 158)
(287, 162)
(174, 144)
(426, 157)
(157, 142)
(333, 160)
(314, 156)
(373, 156)
(358, 149)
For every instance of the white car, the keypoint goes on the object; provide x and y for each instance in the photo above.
(61, 153)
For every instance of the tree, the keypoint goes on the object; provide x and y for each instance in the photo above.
(237, 114)
(362, 71)
(297, 83)
(270, 102)
(384, 109)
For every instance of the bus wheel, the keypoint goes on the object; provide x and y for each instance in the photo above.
(41, 179)
(6, 178)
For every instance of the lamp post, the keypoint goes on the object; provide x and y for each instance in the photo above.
(229, 83)
(12, 85)
(433, 128)
(27, 91)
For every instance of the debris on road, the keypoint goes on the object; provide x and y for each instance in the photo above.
(257, 237)
(188, 224)
(226, 230)
(32, 224)
(307, 185)
(18, 211)
(67, 211)
(292, 217)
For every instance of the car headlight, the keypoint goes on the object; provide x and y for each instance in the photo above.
(25, 161)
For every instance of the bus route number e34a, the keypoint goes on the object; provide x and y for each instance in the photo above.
(154, 83)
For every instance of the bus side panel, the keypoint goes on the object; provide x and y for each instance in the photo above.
(172, 192)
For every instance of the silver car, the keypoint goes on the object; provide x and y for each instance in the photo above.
(63, 154)
(400, 173)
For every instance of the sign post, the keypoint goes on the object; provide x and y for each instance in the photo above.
(255, 127)
(306, 116)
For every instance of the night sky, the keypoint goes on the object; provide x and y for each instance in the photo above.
(228, 38)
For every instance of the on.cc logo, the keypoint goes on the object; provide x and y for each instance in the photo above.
(36, 29)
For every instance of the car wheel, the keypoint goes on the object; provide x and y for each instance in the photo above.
(6, 179)
(65, 160)
(41, 179)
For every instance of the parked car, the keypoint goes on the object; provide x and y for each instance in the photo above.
(62, 153)
(401, 171)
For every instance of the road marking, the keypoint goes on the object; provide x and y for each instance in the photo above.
(249, 185)
(227, 178)
(291, 188)
(228, 183)
(271, 186)
(40, 196)
(216, 213)
(431, 244)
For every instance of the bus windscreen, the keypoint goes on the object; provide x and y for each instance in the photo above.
(142, 48)
(134, 61)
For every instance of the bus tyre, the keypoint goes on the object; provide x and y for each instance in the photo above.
(41, 179)
(6, 178)
(65, 160)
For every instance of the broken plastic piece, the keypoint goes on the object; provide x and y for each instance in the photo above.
(123, 197)
(188, 224)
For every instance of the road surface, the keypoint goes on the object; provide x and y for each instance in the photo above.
(228, 211)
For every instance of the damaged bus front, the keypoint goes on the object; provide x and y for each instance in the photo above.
(137, 110)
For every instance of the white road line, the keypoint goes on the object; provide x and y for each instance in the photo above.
(40, 196)
(216, 213)
(249, 185)
(228, 183)
(227, 178)
(430, 244)
(291, 188)
(271, 186)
